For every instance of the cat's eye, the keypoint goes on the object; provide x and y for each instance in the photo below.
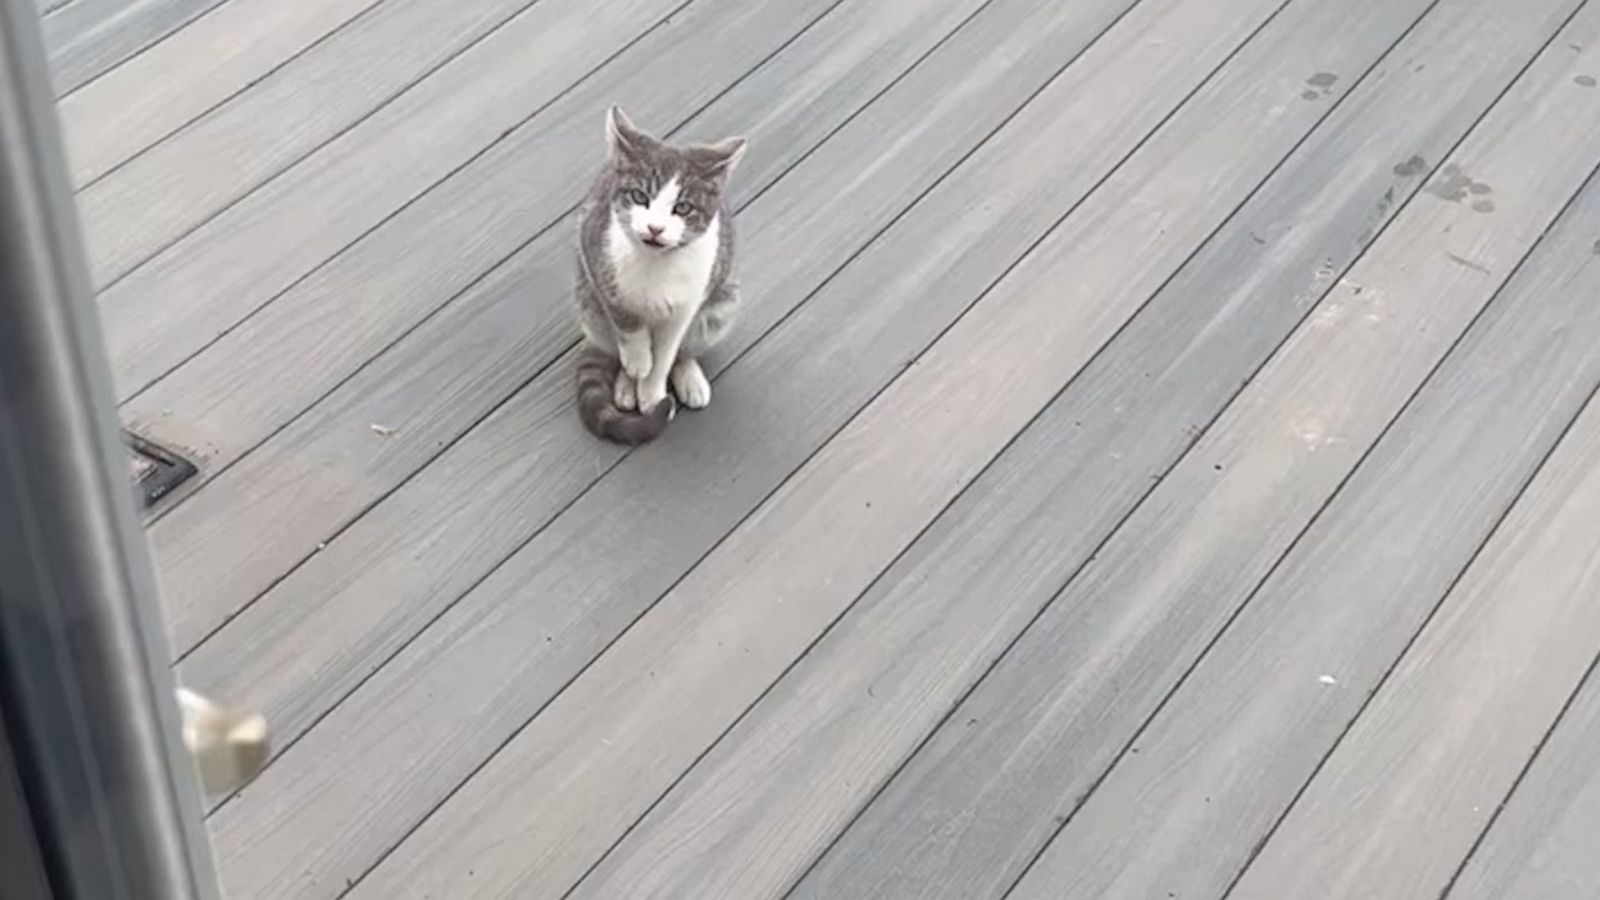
(682, 209)
(638, 197)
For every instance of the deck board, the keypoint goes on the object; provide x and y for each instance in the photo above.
(1541, 845)
(1201, 784)
(88, 38)
(951, 129)
(356, 181)
(591, 541)
(526, 297)
(1444, 740)
(1093, 351)
(178, 192)
(976, 803)
(916, 132)
(153, 95)
(832, 731)
(261, 376)
(445, 350)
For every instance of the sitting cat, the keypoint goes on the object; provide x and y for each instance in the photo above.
(655, 288)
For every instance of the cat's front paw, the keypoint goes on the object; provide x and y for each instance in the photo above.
(636, 360)
(650, 395)
(689, 382)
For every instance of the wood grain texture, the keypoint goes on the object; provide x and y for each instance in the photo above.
(438, 382)
(182, 299)
(1398, 805)
(390, 62)
(506, 327)
(1204, 781)
(914, 134)
(794, 771)
(1541, 846)
(671, 524)
(87, 38)
(154, 94)
(681, 645)
(964, 816)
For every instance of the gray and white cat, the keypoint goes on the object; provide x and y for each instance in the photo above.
(655, 287)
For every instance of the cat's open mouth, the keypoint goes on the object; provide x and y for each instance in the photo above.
(654, 242)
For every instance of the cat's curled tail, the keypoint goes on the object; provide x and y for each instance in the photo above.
(597, 377)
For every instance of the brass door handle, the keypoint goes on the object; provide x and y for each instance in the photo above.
(229, 746)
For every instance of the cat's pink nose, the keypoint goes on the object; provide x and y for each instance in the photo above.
(655, 230)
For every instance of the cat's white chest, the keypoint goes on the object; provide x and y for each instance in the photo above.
(656, 283)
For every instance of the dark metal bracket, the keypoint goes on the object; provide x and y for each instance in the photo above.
(154, 471)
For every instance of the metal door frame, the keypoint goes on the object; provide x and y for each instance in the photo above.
(98, 798)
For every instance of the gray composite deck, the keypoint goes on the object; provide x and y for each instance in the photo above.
(1160, 458)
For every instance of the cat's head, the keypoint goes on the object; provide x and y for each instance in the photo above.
(663, 195)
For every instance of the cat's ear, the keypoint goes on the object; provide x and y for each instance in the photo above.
(722, 156)
(621, 134)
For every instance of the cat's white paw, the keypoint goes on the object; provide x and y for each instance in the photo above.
(650, 394)
(636, 360)
(689, 382)
(625, 394)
